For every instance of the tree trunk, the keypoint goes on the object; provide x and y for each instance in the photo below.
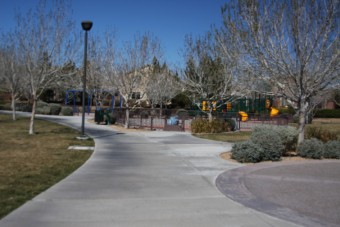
(127, 116)
(13, 107)
(302, 122)
(31, 130)
(210, 116)
(160, 110)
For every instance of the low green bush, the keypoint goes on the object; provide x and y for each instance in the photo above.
(247, 152)
(23, 106)
(41, 104)
(332, 149)
(219, 125)
(46, 110)
(231, 123)
(312, 148)
(55, 108)
(201, 125)
(67, 111)
(270, 142)
(6, 106)
(288, 135)
(321, 134)
(327, 113)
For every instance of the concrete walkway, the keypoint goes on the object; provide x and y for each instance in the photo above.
(304, 192)
(141, 179)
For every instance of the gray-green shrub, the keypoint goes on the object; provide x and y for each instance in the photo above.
(6, 106)
(41, 104)
(23, 106)
(288, 135)
(312, 148)
(67, 111)
(332, 149)
(46, 110)
(55, 108)
(247, 152)
(270, 142)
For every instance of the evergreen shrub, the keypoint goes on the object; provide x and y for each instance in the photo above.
(55, 108)
(41, 104)
(311, 148)
(270, 142)
(247, 152)
(46, 110)
(332, 149)
(232, 123)
(328, 113)
(23, 106)
(6, 106)
(201, 125)
(67, 111)
(288, 135)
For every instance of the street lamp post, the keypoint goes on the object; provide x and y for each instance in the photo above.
(86, 25)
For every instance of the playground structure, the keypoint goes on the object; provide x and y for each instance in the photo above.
(246, 112)
(243, 108)
(72, 94)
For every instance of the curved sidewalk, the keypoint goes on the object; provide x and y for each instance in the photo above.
(141, 179)
(304, 192)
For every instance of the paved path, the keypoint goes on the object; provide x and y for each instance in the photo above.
(304, 192)
(141, 179)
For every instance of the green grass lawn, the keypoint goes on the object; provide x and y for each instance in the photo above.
(30, 164)
(231, 137)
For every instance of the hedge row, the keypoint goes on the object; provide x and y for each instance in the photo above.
(327, 113)
(315, 149)
(42, 108)
(201, 125)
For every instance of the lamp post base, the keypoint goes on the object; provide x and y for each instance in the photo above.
(83, 137)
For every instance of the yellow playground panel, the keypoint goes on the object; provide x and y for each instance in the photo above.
(243, 115)
(274, 112)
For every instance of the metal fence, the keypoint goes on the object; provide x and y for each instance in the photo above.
(156, 119)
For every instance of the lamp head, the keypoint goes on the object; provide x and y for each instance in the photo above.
(86, 25)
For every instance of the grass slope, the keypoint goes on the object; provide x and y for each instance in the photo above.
(29, 164)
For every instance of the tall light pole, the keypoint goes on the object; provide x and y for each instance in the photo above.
(86, 25)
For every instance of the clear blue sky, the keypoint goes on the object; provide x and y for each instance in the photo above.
(169, 20)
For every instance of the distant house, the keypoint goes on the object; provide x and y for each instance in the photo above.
(328, 104)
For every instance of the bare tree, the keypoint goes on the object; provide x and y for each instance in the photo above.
(210, 73)
(44, 38)
(11, 70)
(335, 97)
(104, 65)
(293, 44)
(134, 68)
(162, 85)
